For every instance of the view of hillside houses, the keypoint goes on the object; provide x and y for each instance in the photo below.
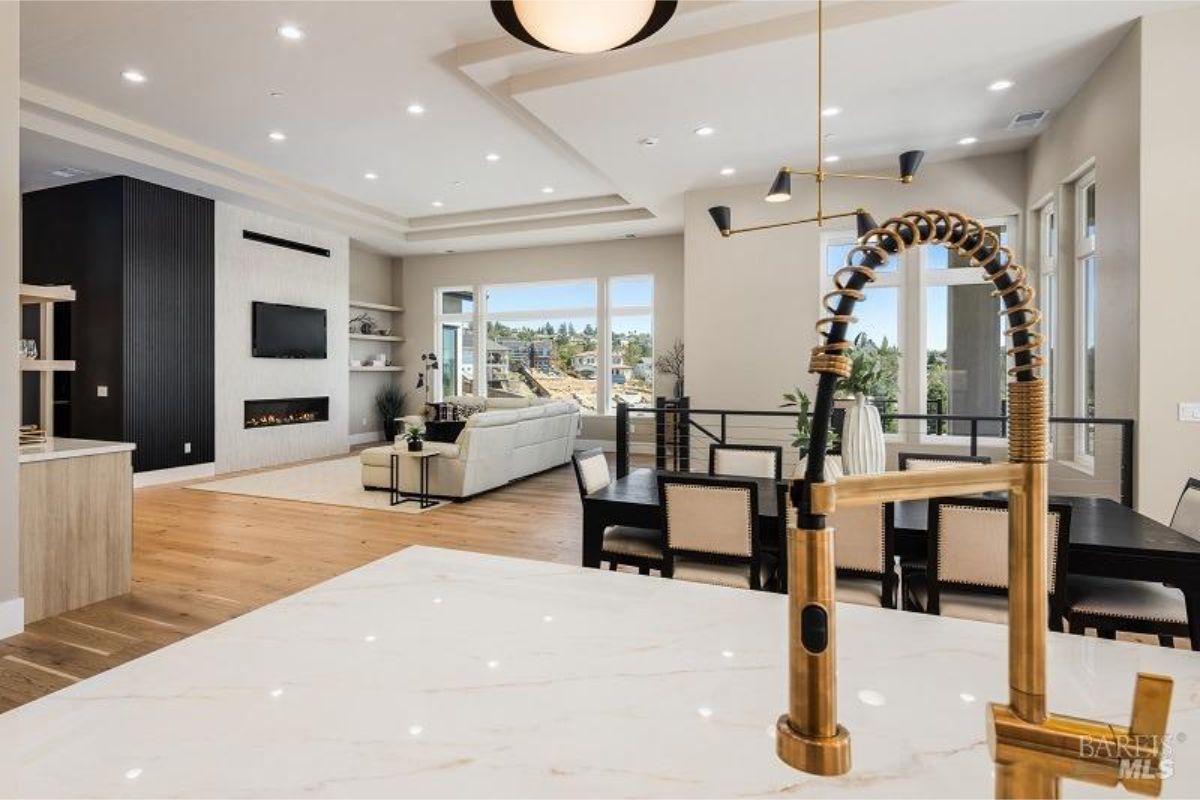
(562, 363)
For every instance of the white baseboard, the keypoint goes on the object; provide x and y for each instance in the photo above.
(157, 477)
(370, 437)
(12, 617)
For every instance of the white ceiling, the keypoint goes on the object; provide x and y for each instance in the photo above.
(907, 74)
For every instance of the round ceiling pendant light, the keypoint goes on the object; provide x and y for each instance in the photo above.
(582, 26)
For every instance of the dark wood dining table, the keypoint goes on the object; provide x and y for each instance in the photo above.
(1107, 539)
(633, 500)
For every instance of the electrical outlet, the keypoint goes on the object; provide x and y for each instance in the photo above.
(101, 391)
(1189, 412)
(187, 447)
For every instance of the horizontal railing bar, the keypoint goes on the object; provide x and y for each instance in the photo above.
(884, 416)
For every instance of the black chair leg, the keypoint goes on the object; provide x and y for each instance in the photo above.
(1166, 641)
(643, 570)
(612, 565)
(1106, 633)
(1056, 624)
(1076, 627)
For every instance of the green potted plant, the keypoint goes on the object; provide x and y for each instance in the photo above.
(390, 405)
(415, 438)
(802, 437)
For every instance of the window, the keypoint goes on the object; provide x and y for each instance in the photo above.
(456, 340)
(965, 363)
(1048, 295)
(541, 337)
(1085, 317)
(554, 340)
(631, 328)
(879, 318)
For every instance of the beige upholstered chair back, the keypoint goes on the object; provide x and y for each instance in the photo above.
(709, 519)
(591, 467)
(750, 462)
(1187, 514)
(858, 538)
(972, 546)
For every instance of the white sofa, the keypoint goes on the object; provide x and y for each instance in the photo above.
(511, 439)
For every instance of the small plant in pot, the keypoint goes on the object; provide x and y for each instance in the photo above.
(802, 438)
(415, 438)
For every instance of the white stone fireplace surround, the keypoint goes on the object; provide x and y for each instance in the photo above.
(247, 271)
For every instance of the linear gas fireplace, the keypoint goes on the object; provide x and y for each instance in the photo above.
(286, 411)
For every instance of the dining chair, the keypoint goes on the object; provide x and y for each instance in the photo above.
(967, 575)
(864, 547)
(1186, 518)
(750, 460)
(1114, 604)
(621, 544)
(712, 532)
(922, 461)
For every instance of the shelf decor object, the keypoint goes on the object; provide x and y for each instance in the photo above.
(365, 328)
(582, 26)
(781, 187)
(45, 297)
(1032, 748)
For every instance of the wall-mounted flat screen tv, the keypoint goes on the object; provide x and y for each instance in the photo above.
(288, 331)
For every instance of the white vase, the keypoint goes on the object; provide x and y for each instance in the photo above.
(833, 468)
(863, 450)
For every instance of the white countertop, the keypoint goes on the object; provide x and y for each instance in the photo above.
(61, 447)
(435, 673)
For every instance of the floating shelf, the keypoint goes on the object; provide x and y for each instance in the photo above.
(375, 337)
(376, 306)
(31, 294)
(46, 365)
(377, 369)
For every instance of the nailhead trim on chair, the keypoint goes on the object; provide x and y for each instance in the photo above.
(749, 529)
(1050, 566)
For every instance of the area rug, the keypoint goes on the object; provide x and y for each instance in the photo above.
(337, 482)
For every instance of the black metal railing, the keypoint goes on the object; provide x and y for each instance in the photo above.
(676, 423)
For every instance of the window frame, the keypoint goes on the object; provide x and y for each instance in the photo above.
(600, 311)
(1084, 248)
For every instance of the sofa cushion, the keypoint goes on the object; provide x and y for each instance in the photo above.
(381, 456)
(490, 419)
(532, 412)
(500, 403)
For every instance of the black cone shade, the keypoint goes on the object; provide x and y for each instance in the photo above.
(864, 223)
(722, 218)
(909, 162)
(781, 189)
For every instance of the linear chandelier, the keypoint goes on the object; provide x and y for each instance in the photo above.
(781, 187)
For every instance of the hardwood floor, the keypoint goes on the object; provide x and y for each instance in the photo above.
(201, 558)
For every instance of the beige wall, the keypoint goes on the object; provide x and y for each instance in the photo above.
(751, 300)
(10, 255)
(1169, 281)
(660, 256)
(1099, 126)
(372, 280)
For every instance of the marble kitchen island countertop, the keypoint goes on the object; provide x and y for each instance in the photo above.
(436, 673)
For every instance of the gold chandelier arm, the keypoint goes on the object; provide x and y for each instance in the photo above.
(792, 222)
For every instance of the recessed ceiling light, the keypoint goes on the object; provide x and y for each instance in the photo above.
(547, 190)
(832, 111)
(133, 76)
(415, 109)
(276, 136)
(629, 236)
(275, 95)
(371, 176)
(968, 140)
(492, 157)
(648, 141)
(449, 252)
(438, 204)
(832, 159)
(728, 171)
(1000, 85)
(705, 130)
(291, 32)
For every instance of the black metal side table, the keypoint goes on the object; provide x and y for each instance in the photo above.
(422, 496)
